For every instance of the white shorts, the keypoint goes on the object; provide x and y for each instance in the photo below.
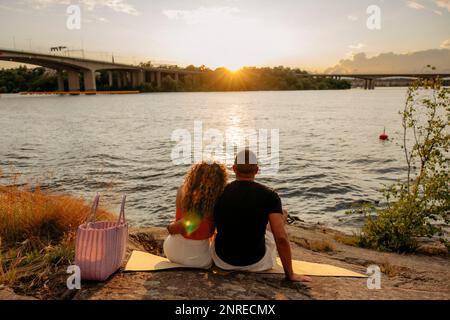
(188, 252)
(266, 263)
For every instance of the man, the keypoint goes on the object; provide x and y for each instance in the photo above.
(241, 216)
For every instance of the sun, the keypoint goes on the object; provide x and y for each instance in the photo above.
(234, 67)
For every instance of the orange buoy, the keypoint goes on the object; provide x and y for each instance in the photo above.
(384, 136)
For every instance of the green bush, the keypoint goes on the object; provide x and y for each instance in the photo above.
(418, 206)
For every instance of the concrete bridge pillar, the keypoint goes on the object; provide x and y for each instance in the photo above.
(366, 84)
(119, 80)
(125, 79)
(141, 77)
(146, 77)
(134, 79)
(176, 76)
(74, 81)
(137, 78)
(158, 79)
(152, 77)
(60, 81)
(89, 80)
(110, 79)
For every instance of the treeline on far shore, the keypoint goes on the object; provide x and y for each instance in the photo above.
(23, 79)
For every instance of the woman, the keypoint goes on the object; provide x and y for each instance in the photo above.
(188, 242)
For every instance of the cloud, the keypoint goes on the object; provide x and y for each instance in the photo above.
(202, 14)
(394, 63)
(415, 5)
(354, 47)
(443, 4)
(96, 18)
(41, 4)
(440, 3)
(358, 46)
(8, 8)
(116, 5)
(121, 6)
(352, 17)
(445, 44)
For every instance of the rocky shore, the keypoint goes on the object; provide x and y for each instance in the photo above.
(404, 276)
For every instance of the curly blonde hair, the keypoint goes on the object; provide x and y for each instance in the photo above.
(203, 184)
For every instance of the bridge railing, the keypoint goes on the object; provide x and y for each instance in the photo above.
(90, 55)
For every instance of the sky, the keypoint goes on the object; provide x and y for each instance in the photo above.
(312, 35)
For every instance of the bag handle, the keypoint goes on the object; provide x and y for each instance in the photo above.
(93, 211)
(122, 210)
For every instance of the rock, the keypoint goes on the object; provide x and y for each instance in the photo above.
(232, 287)
(9, 294)
(407, 276)
(172, 288)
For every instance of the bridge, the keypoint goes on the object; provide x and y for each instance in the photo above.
(369, 79)
(122, 75)
(119, 74)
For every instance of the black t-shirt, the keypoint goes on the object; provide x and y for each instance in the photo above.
(241, 215)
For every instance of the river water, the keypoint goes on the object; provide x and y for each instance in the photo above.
(329, 153)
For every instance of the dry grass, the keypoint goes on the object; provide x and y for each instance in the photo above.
(435, 249)
(389, 269)
(37, 232)
(347, 240)
(322, 246)
(39, 216)
(315, 245)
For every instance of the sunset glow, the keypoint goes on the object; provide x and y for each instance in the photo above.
(307, 34)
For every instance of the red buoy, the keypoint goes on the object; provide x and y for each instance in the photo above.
(384, 136)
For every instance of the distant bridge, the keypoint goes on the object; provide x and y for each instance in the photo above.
(369, 79)
(119, 74)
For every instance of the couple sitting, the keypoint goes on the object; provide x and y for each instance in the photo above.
(240, 211)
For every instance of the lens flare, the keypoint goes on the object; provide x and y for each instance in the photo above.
(192, 222)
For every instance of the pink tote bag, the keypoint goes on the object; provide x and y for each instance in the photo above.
(101, 246)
